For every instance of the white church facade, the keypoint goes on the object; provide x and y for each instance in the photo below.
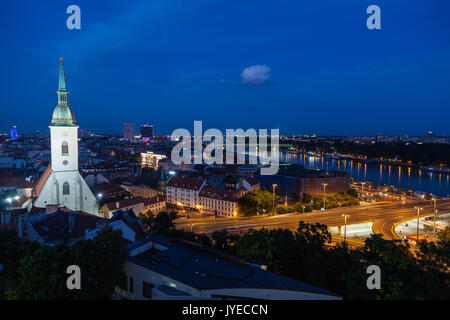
(62, 184)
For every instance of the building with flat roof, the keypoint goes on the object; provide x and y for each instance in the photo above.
(293, 178)
(159, 268)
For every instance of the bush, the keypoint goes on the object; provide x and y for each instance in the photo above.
(334, 200)
(282, 209)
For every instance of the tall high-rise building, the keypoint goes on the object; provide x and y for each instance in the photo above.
(147, 132)
(13, 133)
(430, 137)
(128, 131)
(61, 184)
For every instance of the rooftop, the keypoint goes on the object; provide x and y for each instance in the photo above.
(204, 268)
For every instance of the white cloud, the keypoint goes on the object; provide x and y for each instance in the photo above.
(256, 75)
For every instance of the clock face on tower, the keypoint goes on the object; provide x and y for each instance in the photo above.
(65, 162)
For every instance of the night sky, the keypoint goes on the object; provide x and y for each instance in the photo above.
(301, 66)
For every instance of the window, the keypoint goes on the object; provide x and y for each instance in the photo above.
(66, 188)
(65, 148)
(131, 284)
(147, 289)
(123, 283)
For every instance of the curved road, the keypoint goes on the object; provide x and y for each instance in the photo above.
(385, 216)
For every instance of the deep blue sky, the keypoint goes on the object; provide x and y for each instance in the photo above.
(171, 62)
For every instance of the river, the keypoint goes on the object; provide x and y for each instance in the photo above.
(406, 177)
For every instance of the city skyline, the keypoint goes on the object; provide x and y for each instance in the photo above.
(314, 69)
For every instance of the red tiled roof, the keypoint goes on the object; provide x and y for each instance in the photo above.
(193, 183)
(15, 182)
(42, 180)
(154, 200)
(227, 195)
(109, 189)
(125, 203)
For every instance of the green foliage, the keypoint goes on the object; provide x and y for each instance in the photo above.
(282, 209)
(307, 198)
(38, 272)
(334, 200)
(161, 224)
(444, 235)
(255, 201)
(223, 240)
(259, 247)
(296, 197)
(353, 193)
(301, 207)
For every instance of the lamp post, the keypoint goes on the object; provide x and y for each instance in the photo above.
(346, 216)
(434, 227)
(418, 212)
(273, 197)
(362, 189)
(324, 186)
(434, 219)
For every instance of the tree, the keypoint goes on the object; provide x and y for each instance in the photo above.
(101, 261)
(295, 197)
(307, 198)
(397, 266)
(160, 224)
(40, 271)
(223, 240)
(255, 201)
(444, 235)
(258, 247)
(353, 193)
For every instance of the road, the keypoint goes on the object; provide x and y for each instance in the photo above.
(384, 215)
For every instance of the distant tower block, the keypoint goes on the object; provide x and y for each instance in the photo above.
(128, 131)
(13, 133)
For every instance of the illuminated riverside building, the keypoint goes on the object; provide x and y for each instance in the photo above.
(61, 184)
(297, 179)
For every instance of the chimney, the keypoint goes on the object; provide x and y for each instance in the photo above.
(157, 198)
(117, 205)
(71, 221)
(20, 227)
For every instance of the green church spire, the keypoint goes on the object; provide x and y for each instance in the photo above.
(62, 77)
(62, 115)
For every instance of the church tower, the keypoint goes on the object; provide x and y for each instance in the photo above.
(65, 187)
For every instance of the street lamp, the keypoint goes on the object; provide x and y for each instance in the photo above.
(303, 209)
(273, 196)
(434, 211)
(346, 216)
(418, 212)
(324, 186)
(362, 189)
(434, 227)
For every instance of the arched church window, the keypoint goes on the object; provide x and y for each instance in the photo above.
(65, 148)
(66, 188)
